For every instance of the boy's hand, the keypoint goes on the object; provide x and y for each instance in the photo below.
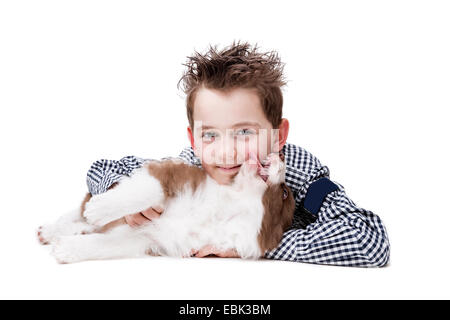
(143, 217)
(210, 250)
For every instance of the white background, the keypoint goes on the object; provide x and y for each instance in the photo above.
(368, 94)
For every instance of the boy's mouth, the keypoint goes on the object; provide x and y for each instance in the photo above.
(262, 168)
(229, 169)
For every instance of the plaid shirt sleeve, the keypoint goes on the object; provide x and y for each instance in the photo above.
(103, 173)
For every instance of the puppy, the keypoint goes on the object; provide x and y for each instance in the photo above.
(249, 215)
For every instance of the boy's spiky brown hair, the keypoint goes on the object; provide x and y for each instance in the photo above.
(238, 65)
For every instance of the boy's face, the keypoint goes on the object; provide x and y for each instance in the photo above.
(228, 126)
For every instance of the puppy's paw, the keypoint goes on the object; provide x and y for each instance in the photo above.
(65, 250)
(97, 213)
(95, 219)
(46, 234)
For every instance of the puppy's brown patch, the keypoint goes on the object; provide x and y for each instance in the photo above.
(87, 197)
(278, 215)
(111, 225)
(173, 176)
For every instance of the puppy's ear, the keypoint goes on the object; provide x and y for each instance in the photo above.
(279, 206)
(287, 214)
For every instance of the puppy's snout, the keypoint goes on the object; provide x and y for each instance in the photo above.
(274, 168)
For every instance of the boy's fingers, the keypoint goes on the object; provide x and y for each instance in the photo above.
(140, 218)
(129, 219)
(135, 220)
(230, 253)
(193, 253)
(206, 250)
(200, 254)
(152, 213)
(158, 209)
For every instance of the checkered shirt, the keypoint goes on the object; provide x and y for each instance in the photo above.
(341, 234)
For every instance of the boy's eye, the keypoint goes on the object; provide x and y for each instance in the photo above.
(245, 132)
(208, 135)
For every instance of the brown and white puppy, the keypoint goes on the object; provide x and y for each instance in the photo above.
(249, 215)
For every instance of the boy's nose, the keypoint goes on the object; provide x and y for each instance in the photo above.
(229, 157)
(228, 154)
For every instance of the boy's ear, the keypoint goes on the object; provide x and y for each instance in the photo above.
(283, 133)
(191, 137)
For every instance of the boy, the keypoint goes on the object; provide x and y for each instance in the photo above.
(234, 108)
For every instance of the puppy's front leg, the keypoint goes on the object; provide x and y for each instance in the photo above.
(133, 194)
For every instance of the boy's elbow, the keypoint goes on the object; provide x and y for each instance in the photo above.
(94, 175)
(371, 240)
(376, 253)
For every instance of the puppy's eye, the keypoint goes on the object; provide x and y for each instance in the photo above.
(285, 192)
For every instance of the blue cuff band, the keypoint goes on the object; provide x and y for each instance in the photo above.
(316, 193)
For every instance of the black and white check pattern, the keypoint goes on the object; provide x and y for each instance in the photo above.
(342, 233)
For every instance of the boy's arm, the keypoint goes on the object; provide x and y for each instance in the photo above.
(188, 156)
(103, 173)
(343, 233)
